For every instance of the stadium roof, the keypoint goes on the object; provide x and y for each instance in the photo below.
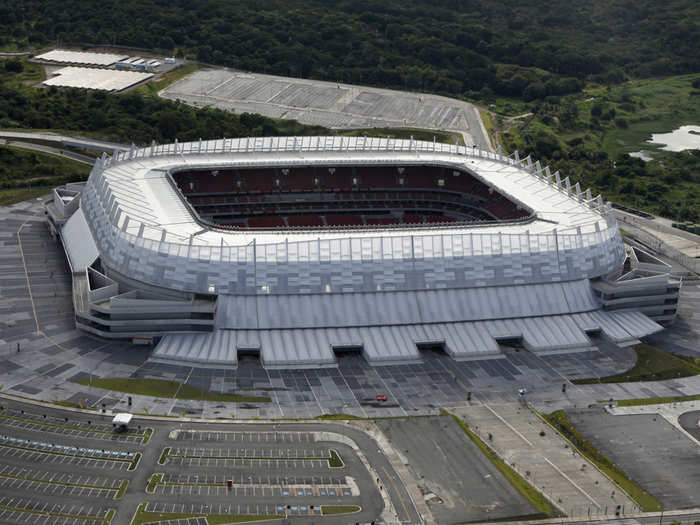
(149, 203)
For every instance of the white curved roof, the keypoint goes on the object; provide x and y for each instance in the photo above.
(149, 203)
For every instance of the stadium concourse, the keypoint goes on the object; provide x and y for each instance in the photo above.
(298, 250)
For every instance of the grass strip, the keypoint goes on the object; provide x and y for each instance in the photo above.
(172, 76)
(655, 400)
(155, 480)
(147, 436)
(141, 517)
(338, 417)
(166, 388)
(122, 489)
(135, 461)
(531, 494)
(164, 456)
(652, 365)
(561, 423)
(68, 427)
(71, 404)
(328, 510)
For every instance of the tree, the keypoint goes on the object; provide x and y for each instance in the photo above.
(14, 66)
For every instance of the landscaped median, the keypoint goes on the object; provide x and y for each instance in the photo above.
(561, 423)
(166, 388)
(142, 516)
(534, 496)
(329, 510)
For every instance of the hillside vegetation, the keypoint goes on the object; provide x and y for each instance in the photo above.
(468, 48)
(589, 135)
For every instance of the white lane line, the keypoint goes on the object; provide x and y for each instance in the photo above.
(572, 482)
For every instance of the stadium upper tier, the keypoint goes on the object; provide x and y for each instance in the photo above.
(146, 229)
(343, 196)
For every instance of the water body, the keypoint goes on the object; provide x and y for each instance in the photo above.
(681, 139)
(641, 155)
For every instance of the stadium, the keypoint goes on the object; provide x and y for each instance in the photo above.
(300, 249)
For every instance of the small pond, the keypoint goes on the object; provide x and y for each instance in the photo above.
(681, 139)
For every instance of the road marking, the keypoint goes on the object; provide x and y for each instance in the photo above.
(509, 425)
(572, 482)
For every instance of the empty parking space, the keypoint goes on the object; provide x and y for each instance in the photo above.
(233, 508)
(257, 453)
(249, 463)
(238, 491)
(648, 449)
(247, 437)
(243, 485)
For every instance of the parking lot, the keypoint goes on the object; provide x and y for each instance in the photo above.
(59, 483)
(328, 104)
(29, 511)
(37, 423)
(457, 481)
(648, 449)
(47, 453)
(271, 470)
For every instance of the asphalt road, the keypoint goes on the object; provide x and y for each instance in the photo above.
(80, 142)
(48, 149)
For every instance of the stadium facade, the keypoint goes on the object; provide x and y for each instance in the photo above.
(299, 248)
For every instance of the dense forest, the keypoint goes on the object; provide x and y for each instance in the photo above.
(466, 48)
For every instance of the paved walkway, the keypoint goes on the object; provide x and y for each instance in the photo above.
(545, 459)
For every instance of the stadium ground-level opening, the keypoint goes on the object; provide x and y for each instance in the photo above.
(269, 245)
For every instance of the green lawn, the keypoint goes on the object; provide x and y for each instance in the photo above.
(16, 195)
(168, 78)
(166, 388)
(652, 365)
(561, 422)
(534, 496)
(666, 104)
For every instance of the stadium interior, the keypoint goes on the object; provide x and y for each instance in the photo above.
(342, 197)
